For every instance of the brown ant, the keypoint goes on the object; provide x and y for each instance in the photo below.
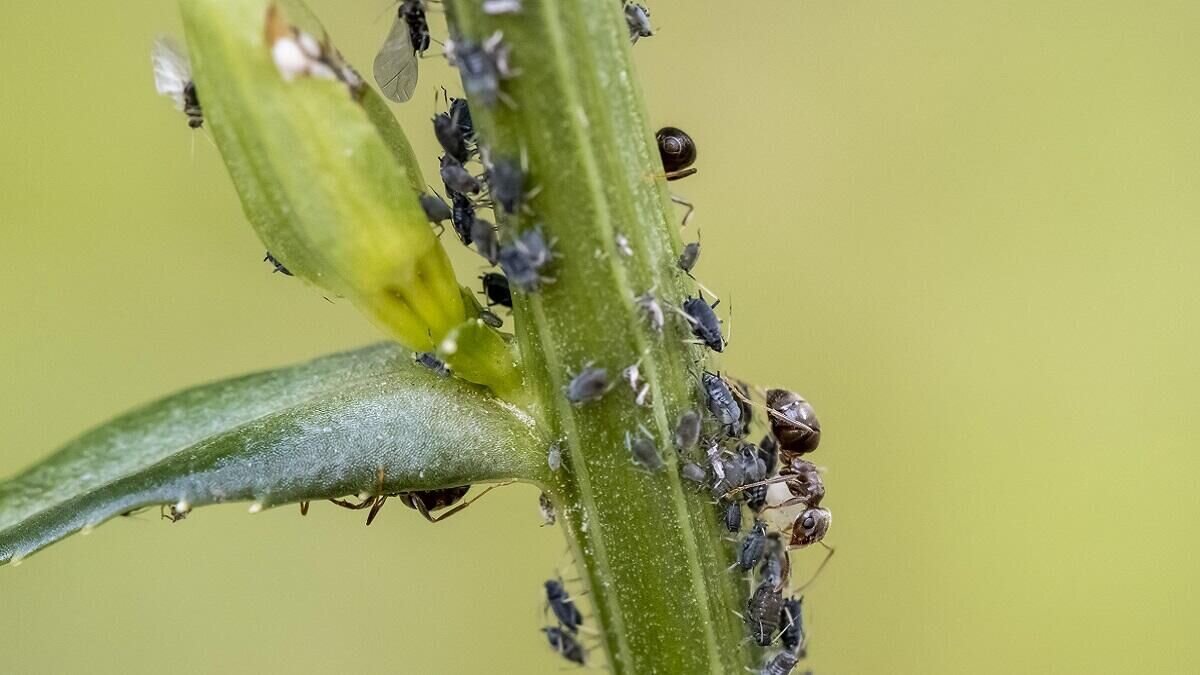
(423, 501)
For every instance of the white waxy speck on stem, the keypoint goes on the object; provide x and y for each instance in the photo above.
(256, 507)
(289, 58)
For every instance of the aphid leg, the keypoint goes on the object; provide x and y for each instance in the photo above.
(691, 208)
(460, 507)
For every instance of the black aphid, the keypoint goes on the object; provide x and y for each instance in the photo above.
(694, 473)
(644, 452)
(704, 322)
(689, 257)
(523, 259)
(436, 210)
(687, 431)
(762, 613)
(482, 66)
(753, 466)
(753, 545)
(462, 216)
(563, 643)
(722, 404)
(735, 474)
(732, 517)
(781, 664)
(792, 620)
(460, 112)
(433, 363)
(678, 152)
(456, 178)
(507, 183)
(568, 615)
(776, 567)
(450, 138)
(490, 319)
(768, 449)
(756, 498)
(495, 287)
(483, 235)
(278, 265)
(638, 19)
(588, 385)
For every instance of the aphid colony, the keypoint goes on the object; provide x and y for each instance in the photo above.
(782, 491)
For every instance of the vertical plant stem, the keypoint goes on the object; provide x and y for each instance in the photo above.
(650, 548)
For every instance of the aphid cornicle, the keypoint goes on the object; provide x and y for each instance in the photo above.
(279, 268)
(457, 178)
(793, 421)
(722, 404)
(395, 66)
(568, 615)
(173, 79)
(763, 611)
(678, 152)
(589, 385)
(563, 643)
(704, 322)
(495, 287)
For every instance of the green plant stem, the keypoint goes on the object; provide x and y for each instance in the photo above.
(650, 547)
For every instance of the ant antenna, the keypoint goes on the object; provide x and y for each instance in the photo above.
(831, 550)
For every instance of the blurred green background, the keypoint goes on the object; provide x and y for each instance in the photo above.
(967, 231)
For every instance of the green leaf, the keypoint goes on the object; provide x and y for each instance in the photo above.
(324, 172)
(323, 429)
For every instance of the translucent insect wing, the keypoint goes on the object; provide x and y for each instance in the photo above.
(172, 71)
(395, 66)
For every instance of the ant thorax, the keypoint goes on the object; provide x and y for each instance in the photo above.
(780, 518)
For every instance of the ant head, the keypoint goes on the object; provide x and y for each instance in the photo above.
(810, 527)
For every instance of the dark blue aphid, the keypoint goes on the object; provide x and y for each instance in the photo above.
(763, 612)
(507, 183)
(753, 545)
(462, 216)
(792, 620)
(722, 404)
(495, 287)
(565, 644)
(705, 324)
(524, 258)
(733, 516)
(568, 615)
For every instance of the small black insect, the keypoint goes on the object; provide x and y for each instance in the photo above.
(732, 516)
(792, 619)
(460, 112)
(568, 615)
(395, 65)
(694, 473)
(456, 178)
(546, 507)
(588, 385)
(451, 134)
(462, 216)
(722, 404)
(483, 234)
(753, 546)
(173, 78)
(704, 321)
(495, 287)
(278, 265)
(433, 363)
(413, 13)
(523, 259)
(436, 210)
(687, 431)
(768, 448)
(776, 567)
(763, 611)
(678, 152)
(735, 475)
(565, 644)
(781, 664)
(425, 501)
(490, 319)
(482, 66)
(507, 183)
(689, 257)
(638, 19)
(756, 498)
(794, 422)
(753, 466)
(644, 452)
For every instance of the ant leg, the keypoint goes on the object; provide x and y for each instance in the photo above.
(347, 504)
(379, 502)
(304, 507)
(820, 567)
(691, 208)
(769, 481)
